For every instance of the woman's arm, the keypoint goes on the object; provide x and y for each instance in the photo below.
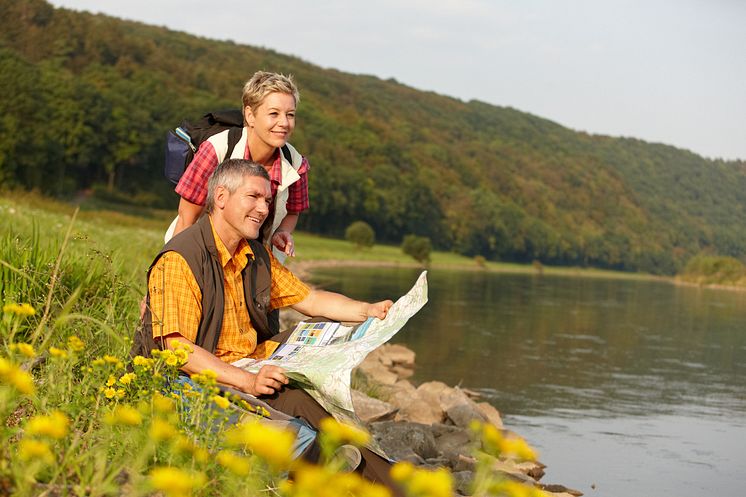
(188, 215)
(282, 238)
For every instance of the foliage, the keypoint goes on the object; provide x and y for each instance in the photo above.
(708, 270)
(361, 234)
(417, 247)
(474, 178)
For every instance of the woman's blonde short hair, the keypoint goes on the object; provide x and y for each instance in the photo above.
(263, 83)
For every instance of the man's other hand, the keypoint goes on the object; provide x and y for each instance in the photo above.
(379, 309)
(267, 381)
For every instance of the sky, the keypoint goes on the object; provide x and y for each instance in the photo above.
(666, 71)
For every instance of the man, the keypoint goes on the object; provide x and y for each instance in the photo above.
(213, 286)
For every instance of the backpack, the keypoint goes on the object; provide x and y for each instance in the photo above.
(183, 141)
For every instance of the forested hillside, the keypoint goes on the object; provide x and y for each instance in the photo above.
(87, 99)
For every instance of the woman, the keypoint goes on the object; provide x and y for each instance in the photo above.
(269, 104)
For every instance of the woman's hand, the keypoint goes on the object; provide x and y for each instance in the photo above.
(283, 240)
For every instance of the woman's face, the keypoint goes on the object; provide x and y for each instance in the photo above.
(273, 120)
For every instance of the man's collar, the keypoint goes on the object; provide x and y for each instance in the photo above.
(242, 254)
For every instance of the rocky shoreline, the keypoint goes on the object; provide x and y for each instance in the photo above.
(427, 424)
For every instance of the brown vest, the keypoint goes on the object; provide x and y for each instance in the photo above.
(197, 246)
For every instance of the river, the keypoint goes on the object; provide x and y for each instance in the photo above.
(625, 387)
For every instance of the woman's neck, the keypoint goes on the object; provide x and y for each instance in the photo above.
(261, 153)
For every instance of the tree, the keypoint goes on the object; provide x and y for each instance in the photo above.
(417, 247)
(361, 234)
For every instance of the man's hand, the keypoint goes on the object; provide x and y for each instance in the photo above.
(266, 381)
(379, 309)
(283, 240)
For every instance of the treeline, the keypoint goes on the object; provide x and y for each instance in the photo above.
(87, 99)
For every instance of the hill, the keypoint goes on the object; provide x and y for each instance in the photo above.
(87, 100)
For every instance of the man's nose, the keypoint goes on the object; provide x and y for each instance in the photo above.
(262, 206)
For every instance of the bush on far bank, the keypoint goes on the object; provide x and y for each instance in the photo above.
(360, 234)
(713, 269)
(417, 247)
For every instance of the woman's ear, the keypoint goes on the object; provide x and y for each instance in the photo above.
(248, 116)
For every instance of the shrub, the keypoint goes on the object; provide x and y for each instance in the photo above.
(417, 247)
(361, 234)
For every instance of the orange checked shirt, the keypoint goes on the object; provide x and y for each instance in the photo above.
(176, 300)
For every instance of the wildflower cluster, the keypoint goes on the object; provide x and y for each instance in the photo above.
(11, 374)
(422, 482)
(19, 309)
(322, 481)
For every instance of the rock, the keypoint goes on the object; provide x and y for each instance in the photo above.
(453, 444)
(412, 408)
(534, 469)
(492, 414)
(509, 469)
(560, 490)
(369, 409)
(401, 371)
(398, 354)
(463, 414)
(432, 390)
(377, 372)
(402, 440)
(462, 481)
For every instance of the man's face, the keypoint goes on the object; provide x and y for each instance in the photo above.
(245, 210)
(273, 121)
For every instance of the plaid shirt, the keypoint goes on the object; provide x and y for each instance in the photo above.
(193, 183)
(176, 299)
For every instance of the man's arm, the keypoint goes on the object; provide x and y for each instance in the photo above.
(265, 382)
(340, 308)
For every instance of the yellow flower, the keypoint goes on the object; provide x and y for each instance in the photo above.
(110, 393)
(163, 404)
(55, 352)
(23, 348)
(221, 402)
(112, 379)
(422, 482)
(109, 359)
(143, 362)
(340, 433)
(175, 482)
(53, 425)
(127, 378)
(233, 462)
(98, 362)
(16, 377)
(311, 480)
(402, 471)
(123, 415)
(161, 430)
(273, 445)
(516, 489)
(75, 344)
(34, 450)
(205, 378)
(19, 309)
(518, 448)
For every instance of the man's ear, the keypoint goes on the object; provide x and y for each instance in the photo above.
(248, 116)
(221, 196)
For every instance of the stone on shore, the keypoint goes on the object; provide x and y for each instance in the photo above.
(430, 421)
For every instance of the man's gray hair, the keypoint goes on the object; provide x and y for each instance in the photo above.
(230, 175)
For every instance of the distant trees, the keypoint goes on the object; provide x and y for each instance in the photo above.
(87, 100)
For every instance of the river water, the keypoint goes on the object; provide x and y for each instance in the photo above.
(626, 388)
